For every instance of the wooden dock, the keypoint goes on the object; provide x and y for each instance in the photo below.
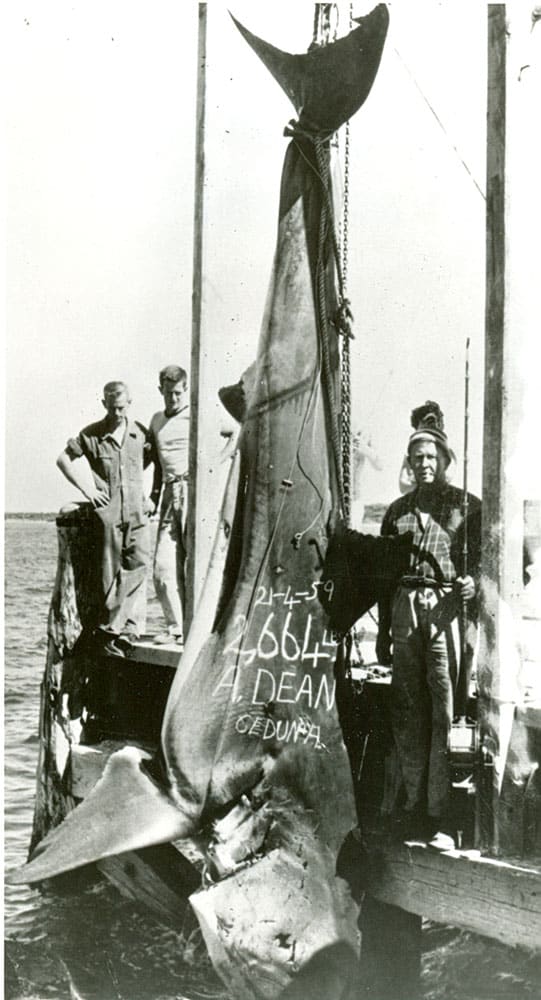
(498, 899)
(491, 890)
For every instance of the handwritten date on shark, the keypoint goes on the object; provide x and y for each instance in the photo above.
(284, 654)
(292, 641)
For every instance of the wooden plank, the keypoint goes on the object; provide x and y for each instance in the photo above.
(166, 655)
(159, 878)
(484, 895)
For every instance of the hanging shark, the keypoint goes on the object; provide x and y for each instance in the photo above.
(251, 722)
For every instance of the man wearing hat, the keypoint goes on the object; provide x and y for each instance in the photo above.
(422, 621)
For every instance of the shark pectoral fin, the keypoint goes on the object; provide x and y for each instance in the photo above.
(124, 811)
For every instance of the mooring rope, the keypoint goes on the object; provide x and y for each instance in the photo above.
(323, 318)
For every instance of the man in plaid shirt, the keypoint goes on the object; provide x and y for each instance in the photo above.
(422, 621)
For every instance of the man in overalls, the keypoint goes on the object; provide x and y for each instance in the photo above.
(422, 623)
(117, 450)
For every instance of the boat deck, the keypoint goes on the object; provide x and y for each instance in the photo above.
(145, 650)
(489, 896)
(498, 898)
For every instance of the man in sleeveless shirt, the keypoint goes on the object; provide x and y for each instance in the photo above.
(169, 435)
(422, 622)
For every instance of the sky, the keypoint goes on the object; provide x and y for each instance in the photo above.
(100, 141)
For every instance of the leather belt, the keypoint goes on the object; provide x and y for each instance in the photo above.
(425, 581)
(177, 479)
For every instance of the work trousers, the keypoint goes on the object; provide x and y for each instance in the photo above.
(170, 554)
(125, 559)
(426, 659)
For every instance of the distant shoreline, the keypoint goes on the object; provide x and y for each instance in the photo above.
(29, 516)
(372, 512)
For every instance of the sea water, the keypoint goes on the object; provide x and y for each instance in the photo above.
(89, 942)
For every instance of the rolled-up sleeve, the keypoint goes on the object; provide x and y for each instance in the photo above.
(74, 447)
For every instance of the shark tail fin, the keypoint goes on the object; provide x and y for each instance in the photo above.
(125, 810)
(329, 83)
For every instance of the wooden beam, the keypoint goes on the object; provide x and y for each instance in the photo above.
(496, 567)
(512, 414)
(388, 931)
(159, 878)
(495, 540)
(484, 895)
(145, 651)
(194, 569)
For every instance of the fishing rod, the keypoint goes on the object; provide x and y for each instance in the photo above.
(465, 502)
(463, 682)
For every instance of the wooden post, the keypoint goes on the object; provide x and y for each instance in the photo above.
(390, 951)
(194, 570)
(75, 605)
(511, 416)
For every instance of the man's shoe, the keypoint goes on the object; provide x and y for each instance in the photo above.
(129, 636)
(163, 639)
(167, 638)
(104, 632)
(115, 648)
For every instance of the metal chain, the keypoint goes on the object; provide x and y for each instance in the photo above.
(341, 434)
(345, 355)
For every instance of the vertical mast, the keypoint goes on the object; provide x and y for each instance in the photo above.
(511, 481)
(194, 569)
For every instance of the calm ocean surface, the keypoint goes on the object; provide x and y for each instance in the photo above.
(93, 944)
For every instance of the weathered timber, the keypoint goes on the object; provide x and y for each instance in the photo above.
(144, 651)
(74, 609)
(511, 481)
(160, 878)
(85, 696)
(497, 899)
(194, 564)
(386, 931)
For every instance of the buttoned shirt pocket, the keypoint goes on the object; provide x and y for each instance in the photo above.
(107, 464)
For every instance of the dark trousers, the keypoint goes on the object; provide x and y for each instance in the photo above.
(426, 658)
(125, 558)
